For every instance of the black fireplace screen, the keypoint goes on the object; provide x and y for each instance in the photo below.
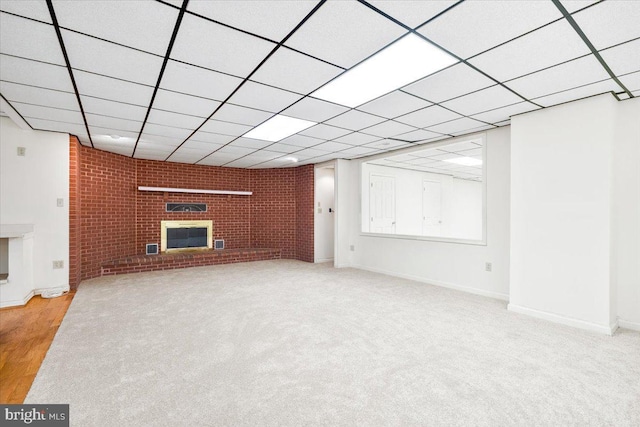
(187, 237)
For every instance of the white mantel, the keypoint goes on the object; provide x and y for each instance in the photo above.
(14, 230)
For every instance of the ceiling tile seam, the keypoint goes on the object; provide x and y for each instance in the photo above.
(545, 68)
(56, 27)
(590, 45)
(573, 88)
(14, 109)
(433, 18)
(37, 87)
(176, 28)
(25, 17)
(45, 106)
(316, 7)
(619, 44)
(31, 59)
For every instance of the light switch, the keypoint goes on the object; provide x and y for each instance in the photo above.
(60, 202)
(22, 151)
(319, 210)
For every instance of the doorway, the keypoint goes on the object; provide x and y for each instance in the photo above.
(324, 216)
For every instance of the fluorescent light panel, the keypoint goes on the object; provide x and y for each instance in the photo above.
(278, 127)
(465, 161)
(397, 65)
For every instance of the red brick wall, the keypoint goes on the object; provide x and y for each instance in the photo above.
(114, 220)
(230, 214)
(74, 213)
(304, 212)
(273, 210)
(107, 195)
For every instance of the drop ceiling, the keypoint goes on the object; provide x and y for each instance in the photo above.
(185, 81)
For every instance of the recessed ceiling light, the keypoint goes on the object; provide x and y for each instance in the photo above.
(291, 159)
(115, 136)
(397, 65)
(278, 127)
(465, 161)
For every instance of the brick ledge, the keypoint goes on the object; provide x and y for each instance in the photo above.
(170, 261)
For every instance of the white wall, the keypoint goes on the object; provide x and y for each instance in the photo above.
(560, 212)
(324, 214)
(466, 210)
(29, 187)
(456, 265)
(625, 247)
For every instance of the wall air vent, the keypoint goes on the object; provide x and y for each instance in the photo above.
(218, 244)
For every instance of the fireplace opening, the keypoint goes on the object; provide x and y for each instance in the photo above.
(187, 237)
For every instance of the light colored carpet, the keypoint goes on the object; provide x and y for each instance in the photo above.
(290, 343)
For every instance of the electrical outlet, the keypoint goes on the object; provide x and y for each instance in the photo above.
(22, 151)
(487, 266)
(352, 248)
(58, 264)
(60, 203)
(319, 210)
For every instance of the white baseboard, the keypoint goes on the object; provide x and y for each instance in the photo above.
(318, 261)
(634, 326)
(17, 302)
(468, 289)
(569, 321)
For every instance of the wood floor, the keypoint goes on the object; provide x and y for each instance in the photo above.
(25, 336)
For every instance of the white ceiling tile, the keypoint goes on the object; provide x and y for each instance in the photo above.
(113, 109)
(174, 133)
(113, 123)
(410, 12)
(543, 48)
(458, 125)
(575, 5)
(449, 83)
(561, 77)
(271, 19)
(308, 153)
(428, 116)
(387, 129)
(281, 148)
(29, 39)
(243, 115)
(359, 151)
(357, 138)
(158, 143)
(461, 146)
(472, 130)
(47, 113)
(89, 54)
(35, 9)
(186, 104)
(243, 162)
(122, 148)
(314, 110)
(160, 117)
(71, 128)
(250, 143)
(235, 150)
(355, 120)
(120, 21)
(610, 22)
(623, 59)
(150, 154)
(578, 93)
(262, 97)
(112, 89)
(504, 113)
(38, 96)
(217, 159)
(34, 73)
(233, 52)
(636, 93)
(631, 81)
(387, 144)
(483, 100)
(418, 135)
(344, 33)
(107, 134)
(294, 71)
(324, 132)
(205, 147)
(394, 104)
(301, 141)
(212, 138)
(224, 128)
(198, 81)
(475, 26)
(332, 146)
(183, 156)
